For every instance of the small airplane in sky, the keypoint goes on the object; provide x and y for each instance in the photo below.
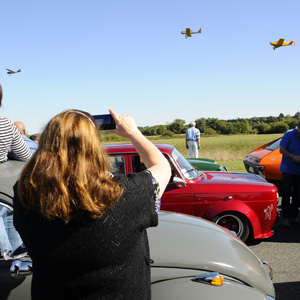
(12, 72)
(281, 42)
(188, 32)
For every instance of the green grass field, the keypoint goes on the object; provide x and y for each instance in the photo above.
(227, 150)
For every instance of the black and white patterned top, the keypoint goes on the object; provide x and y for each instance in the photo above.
(11, 140)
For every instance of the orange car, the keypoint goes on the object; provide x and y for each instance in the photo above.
(265, 161)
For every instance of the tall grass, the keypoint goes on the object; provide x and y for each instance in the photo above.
(226, 150)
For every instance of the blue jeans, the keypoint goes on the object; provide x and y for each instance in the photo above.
(10, 239)
(290, 188)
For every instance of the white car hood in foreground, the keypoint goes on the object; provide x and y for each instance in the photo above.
(191, 243)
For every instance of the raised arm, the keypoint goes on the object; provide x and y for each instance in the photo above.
(154, 160)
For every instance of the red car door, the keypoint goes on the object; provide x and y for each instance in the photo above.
(178, 198)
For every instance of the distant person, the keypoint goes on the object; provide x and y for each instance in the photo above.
(290, 168)
(192, 140)
(34, 138)
(11, 140)
(22, 129)
(85, 229)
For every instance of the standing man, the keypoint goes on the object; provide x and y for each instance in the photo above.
(290, 168)
(192, 140)
(22, 129)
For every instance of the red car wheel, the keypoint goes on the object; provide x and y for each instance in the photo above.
(234, 222)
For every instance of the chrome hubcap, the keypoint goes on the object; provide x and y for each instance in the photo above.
(232, 223)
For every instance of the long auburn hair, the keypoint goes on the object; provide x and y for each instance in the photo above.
(68, 175)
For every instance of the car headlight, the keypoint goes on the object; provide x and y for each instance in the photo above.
(212, 278)
(269, 297)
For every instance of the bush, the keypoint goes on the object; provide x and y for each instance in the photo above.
(278, 127)
(168, 134)
(262, 127)
(177, 126)
(210, 132)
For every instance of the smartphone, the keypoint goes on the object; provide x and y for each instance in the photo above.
(105, 122)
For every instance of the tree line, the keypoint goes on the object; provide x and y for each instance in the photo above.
(214, 126)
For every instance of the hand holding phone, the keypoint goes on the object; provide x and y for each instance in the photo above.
(105, 122)
(126, 125)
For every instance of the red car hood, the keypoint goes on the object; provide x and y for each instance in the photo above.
(235, 181)
(233, 178)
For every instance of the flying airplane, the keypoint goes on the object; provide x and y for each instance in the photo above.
(188, 32)
(281, 42)
(12, 72)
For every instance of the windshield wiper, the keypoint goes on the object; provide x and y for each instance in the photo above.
(189, 171)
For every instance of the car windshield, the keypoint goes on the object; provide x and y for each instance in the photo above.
(274, 145)
(187, 170)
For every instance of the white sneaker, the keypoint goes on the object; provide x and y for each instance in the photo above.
(286, 223)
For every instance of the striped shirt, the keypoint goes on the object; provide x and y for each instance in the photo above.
(11, 140)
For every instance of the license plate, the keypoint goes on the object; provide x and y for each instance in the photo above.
(251, 169)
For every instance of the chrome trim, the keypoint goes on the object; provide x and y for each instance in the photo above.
(227, 198)
(20, 268)
(7, 256)
(9, 207)
(259, 170)
(271, 274)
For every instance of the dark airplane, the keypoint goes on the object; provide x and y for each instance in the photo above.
(12, 72)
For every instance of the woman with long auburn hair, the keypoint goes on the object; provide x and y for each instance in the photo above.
(85, 229)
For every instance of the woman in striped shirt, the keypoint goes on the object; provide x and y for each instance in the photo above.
(11, 140)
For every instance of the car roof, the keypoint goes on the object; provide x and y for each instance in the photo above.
(129, 148)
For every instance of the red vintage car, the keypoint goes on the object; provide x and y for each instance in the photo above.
(243, 203)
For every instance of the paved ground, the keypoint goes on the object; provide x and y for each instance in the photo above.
(282, 252)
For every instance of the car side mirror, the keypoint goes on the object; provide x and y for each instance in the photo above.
(178, 181)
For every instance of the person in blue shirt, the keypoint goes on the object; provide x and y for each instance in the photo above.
(34, 138)
(290, 168)
(22, 129)
(192, 140)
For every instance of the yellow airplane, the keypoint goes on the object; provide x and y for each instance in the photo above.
(281, 42)
(188, 32)
(12, 72)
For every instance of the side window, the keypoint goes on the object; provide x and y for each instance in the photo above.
(118, 164)
(137, 164)
(10, 241)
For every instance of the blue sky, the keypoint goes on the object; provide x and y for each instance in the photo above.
(130, 55)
